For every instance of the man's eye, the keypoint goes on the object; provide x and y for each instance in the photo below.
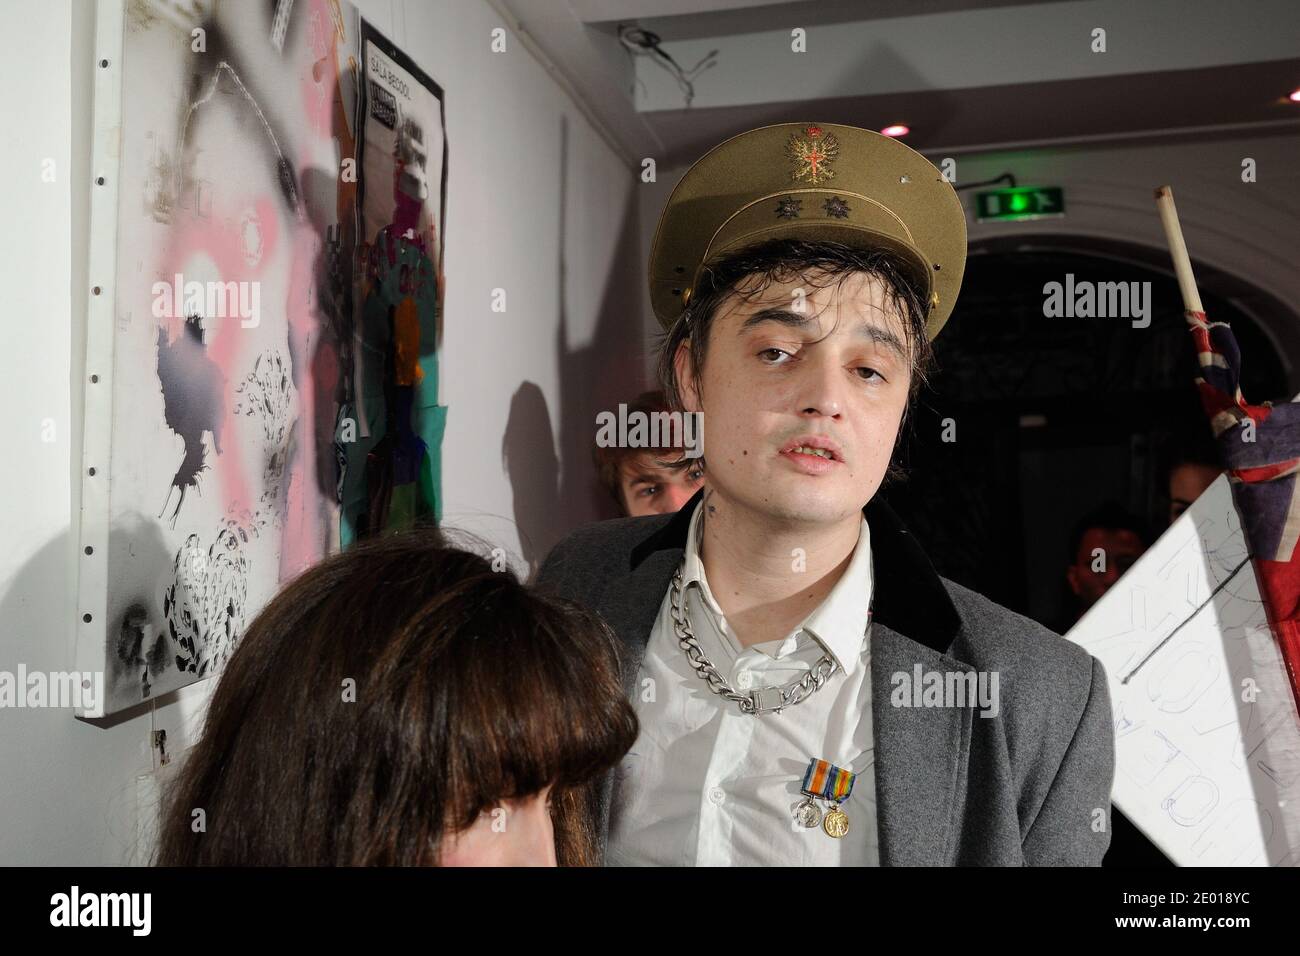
(649, 491)
(778, 352)
(697, 474)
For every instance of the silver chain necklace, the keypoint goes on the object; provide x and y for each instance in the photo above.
(760, 700)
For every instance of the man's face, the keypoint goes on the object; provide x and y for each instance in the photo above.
(831, 371)
(1118, 548)
(650, 488)
(1187, 482)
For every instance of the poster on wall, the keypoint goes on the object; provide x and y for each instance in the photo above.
(267, 288)
(401, 190)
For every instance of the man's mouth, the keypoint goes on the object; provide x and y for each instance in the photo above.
(809, 450)
(813, 455)
(814, 446)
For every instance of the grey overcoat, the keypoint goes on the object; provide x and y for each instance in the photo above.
(1030, 786)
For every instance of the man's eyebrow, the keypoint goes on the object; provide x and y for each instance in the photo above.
(645, 478)
(796, 320)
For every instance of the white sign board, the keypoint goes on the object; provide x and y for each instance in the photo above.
(1207, 735)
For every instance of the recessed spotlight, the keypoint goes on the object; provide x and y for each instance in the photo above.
(898, 129)
(1295, 96)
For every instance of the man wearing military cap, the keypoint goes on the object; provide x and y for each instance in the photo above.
(810, 691)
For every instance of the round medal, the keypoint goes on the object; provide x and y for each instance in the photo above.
(836, 823)
(808, 814)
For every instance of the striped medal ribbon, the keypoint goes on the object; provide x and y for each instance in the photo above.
(823, 780)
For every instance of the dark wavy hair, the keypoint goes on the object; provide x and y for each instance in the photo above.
(470, 690)
(748, 272)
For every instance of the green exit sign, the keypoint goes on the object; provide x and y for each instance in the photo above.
(1022, 202)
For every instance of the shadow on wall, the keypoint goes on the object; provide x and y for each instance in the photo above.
(529, 458)
(551, 475)
(68, 790)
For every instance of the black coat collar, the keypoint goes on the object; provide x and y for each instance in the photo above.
(909, 596)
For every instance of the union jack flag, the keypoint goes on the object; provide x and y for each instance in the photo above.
(1261, 448)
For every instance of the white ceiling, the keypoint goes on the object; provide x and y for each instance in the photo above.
(961, 74)
(597, 11)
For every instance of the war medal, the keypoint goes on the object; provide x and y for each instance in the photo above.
(836, 823)
(833, 784)
(808, 814)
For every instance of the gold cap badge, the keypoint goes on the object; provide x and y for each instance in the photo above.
(813, 154)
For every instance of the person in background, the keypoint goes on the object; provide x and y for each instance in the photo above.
(402, 703)
(1103, 545)
(648, 481)
(1193, 468)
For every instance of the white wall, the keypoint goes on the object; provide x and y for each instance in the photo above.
(538, 204)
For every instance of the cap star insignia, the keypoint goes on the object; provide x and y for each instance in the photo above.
(836, 208)
(788, 208)
(813, 154)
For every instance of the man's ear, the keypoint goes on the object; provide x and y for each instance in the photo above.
(684, 368)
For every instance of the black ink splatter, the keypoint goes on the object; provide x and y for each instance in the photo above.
(191, 388)
(136, 652)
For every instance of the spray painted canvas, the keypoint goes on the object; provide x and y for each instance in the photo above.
(262, 384)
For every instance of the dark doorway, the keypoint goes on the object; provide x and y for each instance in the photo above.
(1047, 418)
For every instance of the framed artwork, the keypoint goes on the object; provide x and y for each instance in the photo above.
(266, 247)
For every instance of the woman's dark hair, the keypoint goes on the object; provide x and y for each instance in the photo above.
(749, 271)
(383, 700)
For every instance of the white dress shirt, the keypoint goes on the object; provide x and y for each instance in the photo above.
(704, 784)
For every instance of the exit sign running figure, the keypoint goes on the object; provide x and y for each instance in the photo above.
(1022, 202)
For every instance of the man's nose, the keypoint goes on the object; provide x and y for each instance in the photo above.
(675, 497)
(821, 389)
